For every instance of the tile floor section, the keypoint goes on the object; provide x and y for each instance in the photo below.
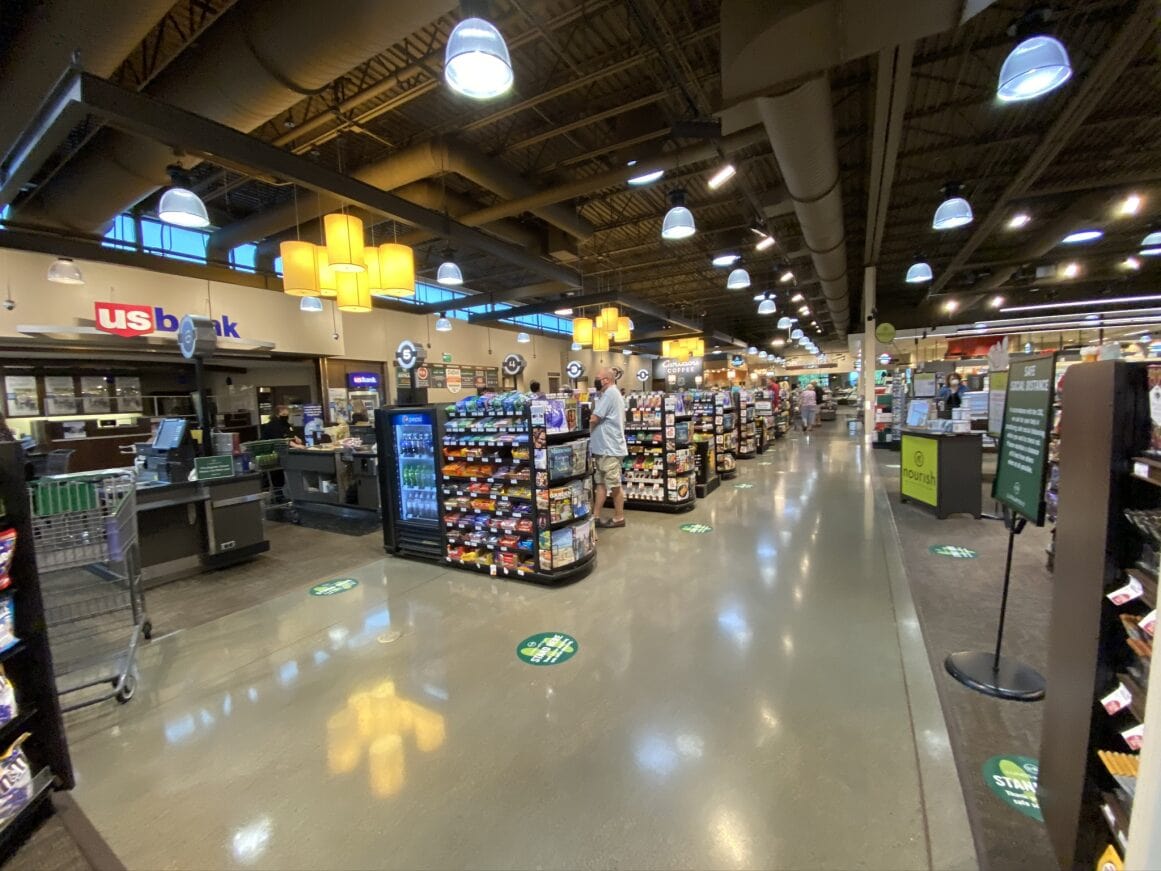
(757, 696)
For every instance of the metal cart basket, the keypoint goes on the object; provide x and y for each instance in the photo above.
(269, 456)
(84, 529)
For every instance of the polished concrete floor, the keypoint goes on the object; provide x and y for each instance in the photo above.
(755, 696)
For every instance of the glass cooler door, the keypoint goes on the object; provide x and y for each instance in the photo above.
(414, 436)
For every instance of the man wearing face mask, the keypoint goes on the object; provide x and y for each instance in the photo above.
(279, 427)
(607, 445)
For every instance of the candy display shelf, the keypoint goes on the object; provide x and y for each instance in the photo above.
(766, 420)
(705, 426)
(747, 425)
(516, 489)
(726, 421)
(660, 470)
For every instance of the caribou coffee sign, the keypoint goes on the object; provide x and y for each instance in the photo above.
(128, 320)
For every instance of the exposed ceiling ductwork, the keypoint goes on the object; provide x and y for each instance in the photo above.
(425, 160)
(101, 33)
(256, 61)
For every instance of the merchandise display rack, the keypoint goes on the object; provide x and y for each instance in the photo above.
(660, 469)
(725, 429)
(767, 423)
(42, 761)
(747, 425)
(516, 489)
(705, 437)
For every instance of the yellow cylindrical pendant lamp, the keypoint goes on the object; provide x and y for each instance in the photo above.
(374, 275)
(344, 235)
(299, 268)
(397, 269)
(600, 340)
(667, 348)
(354, 294)
(582, 331)
(327, 282)
(623, 333)
(608, 320)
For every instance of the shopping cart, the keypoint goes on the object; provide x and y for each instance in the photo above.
(84, 530)
(268, 456)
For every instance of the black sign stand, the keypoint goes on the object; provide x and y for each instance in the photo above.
(990, 673)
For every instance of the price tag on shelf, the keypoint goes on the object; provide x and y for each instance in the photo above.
(1118, 699)
(1141, 470)
(1130, 591)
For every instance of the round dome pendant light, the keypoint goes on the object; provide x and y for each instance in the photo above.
(784, 323)
(449, 273)
(443, 325)
(310, 304)
(796, 334)
(919, 271)
(476, 61)
(183, 208)
(954, 211)
(523, 338)
(1038, 63)
(64, 271)
(738, 280)
(678, 223)
(767, 307)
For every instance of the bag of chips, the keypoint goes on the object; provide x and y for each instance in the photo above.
(7, 622)
(15, 780)
(7, 550)
(7, 699)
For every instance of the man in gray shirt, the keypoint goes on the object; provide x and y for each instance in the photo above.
(607, 445)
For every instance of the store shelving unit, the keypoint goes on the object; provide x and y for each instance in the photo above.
(660, 470)
(29, 667)
(1104, 593)
(726, 432)
(764, 414)
(516, 491)
(706, 423)
(747, 425)
(885, 432)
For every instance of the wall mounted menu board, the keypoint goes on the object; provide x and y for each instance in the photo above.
(461, 376)
(1023, 459)
(60, 395)
(95, 397)
(20, 391)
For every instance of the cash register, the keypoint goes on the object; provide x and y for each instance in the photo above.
(169, 458)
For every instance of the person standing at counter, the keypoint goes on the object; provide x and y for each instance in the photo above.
(951, 395)
(280, 427)
(534, 389)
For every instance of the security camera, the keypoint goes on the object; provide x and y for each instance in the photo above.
(335, 336)
(9, 304)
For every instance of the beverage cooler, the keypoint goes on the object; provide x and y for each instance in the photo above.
(409, 475)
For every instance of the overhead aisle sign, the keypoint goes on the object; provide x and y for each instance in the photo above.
(1023, 459)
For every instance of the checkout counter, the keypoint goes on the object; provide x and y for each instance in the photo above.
(341, 479)
(188, 526)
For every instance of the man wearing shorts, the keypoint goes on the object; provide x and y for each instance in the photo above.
(607, 445)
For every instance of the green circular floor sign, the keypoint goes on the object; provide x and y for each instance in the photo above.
(696, 528)
(1013, 779)
(334, 587)
(743, 486)
(547, 648)
(953, 550)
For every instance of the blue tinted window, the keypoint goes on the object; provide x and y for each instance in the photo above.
(244, 257)
(123, 233)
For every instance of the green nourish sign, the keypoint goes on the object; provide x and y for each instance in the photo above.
(1022, 462)
(953, 550)
(547, 648)
(1013, 780)
(333, 587)
(209, 468)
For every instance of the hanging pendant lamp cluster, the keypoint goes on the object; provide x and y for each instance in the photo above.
(608, 325)
(683, 349)
(346, 269)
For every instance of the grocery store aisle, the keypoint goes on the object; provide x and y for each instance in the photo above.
(754, 694)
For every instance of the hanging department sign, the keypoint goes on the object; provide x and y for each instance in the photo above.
(513, 364)
(642, 375)
(575, 369)
(1023, 457)
(663, 368)
(406, 355)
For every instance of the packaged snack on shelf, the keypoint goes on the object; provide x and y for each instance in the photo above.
(8, 708)
(15, 780)
(7, 550)
(7, 622)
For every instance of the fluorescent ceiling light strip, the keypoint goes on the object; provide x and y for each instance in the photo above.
(1047, 328)
(1081, 303)
(1111, 313)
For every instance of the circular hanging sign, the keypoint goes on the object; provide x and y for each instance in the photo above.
(513, 364)
(406, 354)
(196, 337)
(547, 648)
(885, 333)
(575, 369)
(333, 587)
(642, 375)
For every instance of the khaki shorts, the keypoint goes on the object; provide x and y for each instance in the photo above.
(607, 471)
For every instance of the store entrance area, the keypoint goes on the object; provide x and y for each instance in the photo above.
(748, 688)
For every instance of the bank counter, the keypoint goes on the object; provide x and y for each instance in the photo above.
(333, 479)
(942, 471)
(191, 526)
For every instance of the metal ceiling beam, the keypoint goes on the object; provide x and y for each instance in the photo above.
(541, 308)
(528, 291)
(892, 82)
(145, 116)
(1137, 29)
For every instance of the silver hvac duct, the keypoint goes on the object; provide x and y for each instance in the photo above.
(259, 59)
(100, 32)
(800, 125)
(424, 160)
(425, 193)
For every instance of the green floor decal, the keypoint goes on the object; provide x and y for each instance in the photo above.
(547, 648)
(953, 550)
(333, 587)
(696, 528)
(743, 486)
(1013, 779)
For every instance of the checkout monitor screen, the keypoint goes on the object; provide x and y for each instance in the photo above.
(169, 434)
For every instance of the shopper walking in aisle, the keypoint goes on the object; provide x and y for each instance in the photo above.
(607, 445)
(818, 394)
(807, 407)
(534, 389)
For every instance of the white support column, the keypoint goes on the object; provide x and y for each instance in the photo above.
(870, 353)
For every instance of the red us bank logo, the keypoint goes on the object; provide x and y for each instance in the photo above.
(125, 319)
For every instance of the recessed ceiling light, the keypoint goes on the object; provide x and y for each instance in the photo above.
(1130, 205)
(563, 312)
(766, 242)
(804, 310)
(646, 177)
(950, 306)
(777, 343)
(1021, 219)
(997, 301)
(726, 259)
(1131, 263)
(1072, 270)
(1082, 236)
(722, 176)
(1150, 252)
(786, 277)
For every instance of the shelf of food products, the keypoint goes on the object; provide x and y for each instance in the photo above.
(658, 472)
(747, 425)
(517, 496)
